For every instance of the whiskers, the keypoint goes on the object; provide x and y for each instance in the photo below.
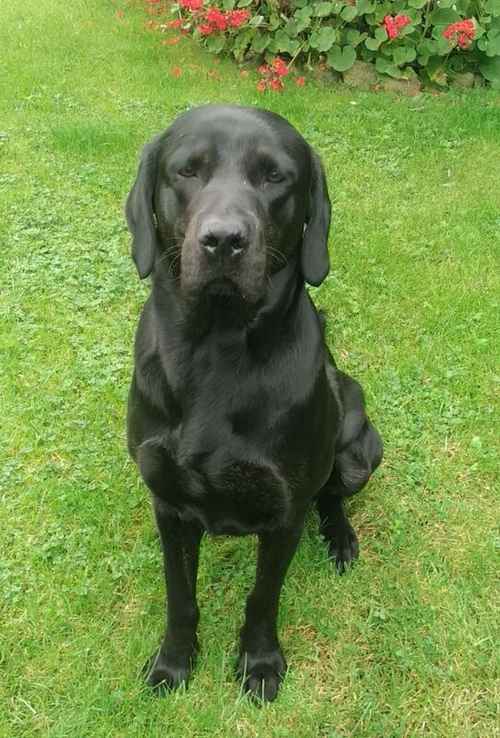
(172, 255)
(277, 257)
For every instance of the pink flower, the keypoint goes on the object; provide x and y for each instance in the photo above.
(402, 20)
(393, 24)
(280, 67)
(217, 19)
(177, 23)
(206, 29)
(237, 18)
(272, 75)
(192, 5)
(461, 33)
(300, 81)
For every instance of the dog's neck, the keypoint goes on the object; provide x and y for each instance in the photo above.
(285, 286)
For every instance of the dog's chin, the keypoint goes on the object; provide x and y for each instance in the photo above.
(225, 291)
(221, 304)
(224, 288)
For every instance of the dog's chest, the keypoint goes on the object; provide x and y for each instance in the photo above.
(235, 497)
(223, 479)
(221, 464)
(241, 454)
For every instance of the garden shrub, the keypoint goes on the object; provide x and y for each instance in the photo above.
(434, 39)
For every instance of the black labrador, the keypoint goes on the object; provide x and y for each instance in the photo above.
(238, 417)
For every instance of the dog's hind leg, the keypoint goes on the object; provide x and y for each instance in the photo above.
(358, 453)
(336, 529)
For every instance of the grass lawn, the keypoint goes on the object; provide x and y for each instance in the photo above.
(404, 645)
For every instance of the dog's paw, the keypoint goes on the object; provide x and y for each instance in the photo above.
(261, 674)
(343, 548)
(164, 675)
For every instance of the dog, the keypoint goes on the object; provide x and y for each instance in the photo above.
(238, 418)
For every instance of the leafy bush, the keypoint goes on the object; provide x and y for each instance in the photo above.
(434, 39)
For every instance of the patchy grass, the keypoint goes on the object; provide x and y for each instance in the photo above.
(403, 646)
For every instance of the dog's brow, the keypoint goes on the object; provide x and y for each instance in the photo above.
(188, 153)
(272, 158)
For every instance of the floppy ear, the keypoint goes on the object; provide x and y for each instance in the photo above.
(139, 212)
(315, 260)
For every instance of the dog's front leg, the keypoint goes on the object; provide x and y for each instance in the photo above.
(173, 663)
(261, 663)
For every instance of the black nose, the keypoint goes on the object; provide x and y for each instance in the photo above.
(223, 237)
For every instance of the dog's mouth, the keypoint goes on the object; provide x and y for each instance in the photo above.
(234, 282)
(222, 286)
(223, 289)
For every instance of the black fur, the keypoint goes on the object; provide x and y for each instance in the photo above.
(238, 417)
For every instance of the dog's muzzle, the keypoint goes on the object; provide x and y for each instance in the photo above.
(223, 239)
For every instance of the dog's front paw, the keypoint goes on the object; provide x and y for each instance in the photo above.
(343, 548)
(261, 674)
(164, 674)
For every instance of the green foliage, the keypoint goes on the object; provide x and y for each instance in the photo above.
(401, 37)
(341, 58)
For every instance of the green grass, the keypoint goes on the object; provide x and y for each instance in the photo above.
(404, 645)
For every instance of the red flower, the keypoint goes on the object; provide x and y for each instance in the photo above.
(171, 41)
(177, 23)
(279, 67)
(206, 29)
(461, 33)
(300, 81)
(393, 24)
(192, 5)
(237, 18)
(272, 75)
(176, 71)
(402, 20)
(217, 19)
(390, 26)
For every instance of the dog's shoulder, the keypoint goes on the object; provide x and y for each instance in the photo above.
(150, 379)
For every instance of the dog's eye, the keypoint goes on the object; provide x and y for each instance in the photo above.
(274, 175)
(187, 171)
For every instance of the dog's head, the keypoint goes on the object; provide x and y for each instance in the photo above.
(226, 197)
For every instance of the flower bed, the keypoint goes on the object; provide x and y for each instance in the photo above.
(434, 40)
